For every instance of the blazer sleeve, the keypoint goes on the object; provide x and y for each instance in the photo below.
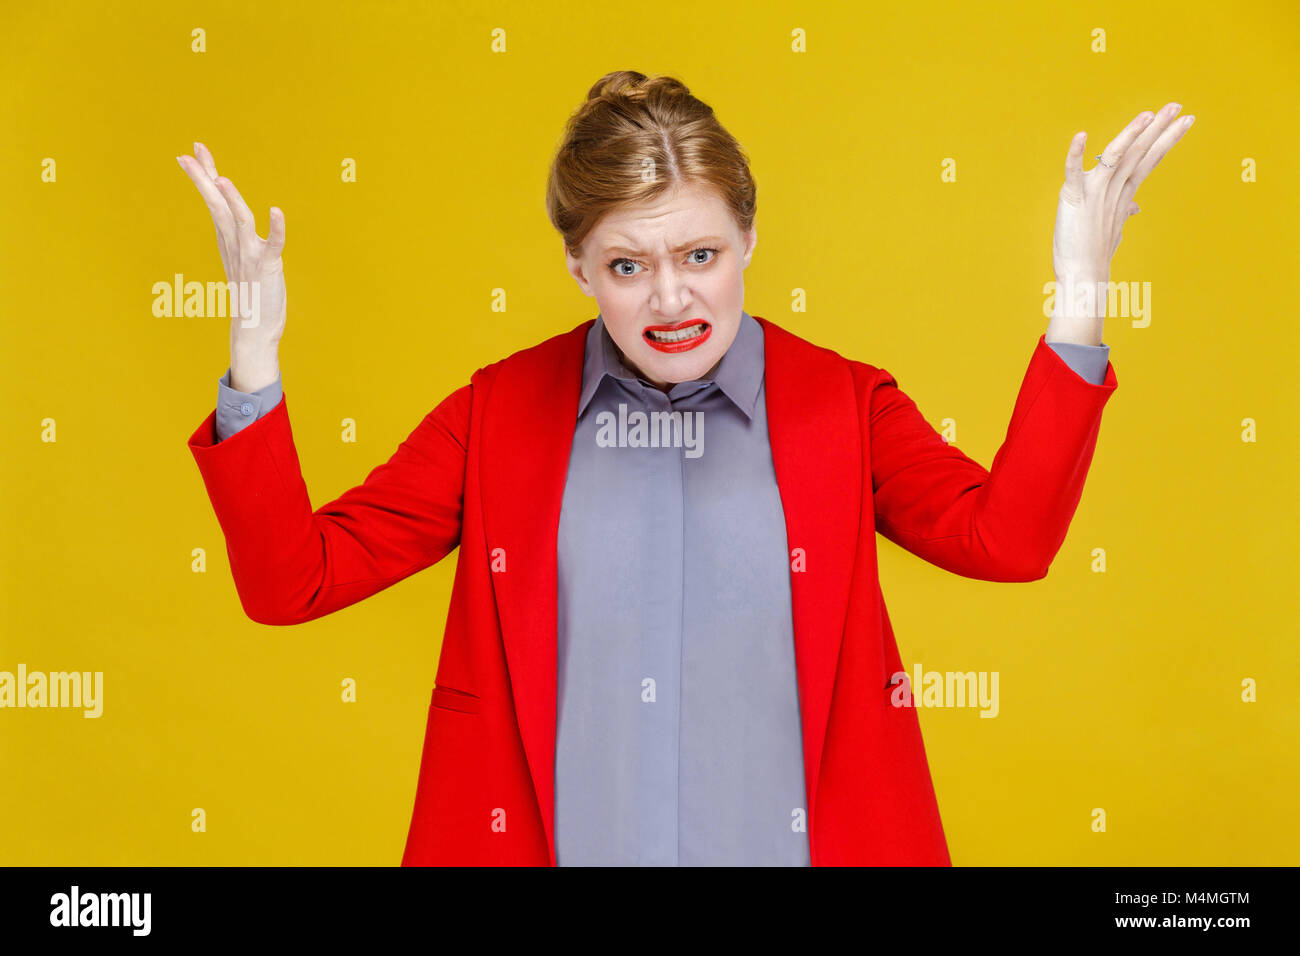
(1005, 523)
(292, 563)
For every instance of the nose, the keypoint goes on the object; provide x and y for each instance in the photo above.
(670, 293)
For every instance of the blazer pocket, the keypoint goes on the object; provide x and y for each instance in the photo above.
(447, 698)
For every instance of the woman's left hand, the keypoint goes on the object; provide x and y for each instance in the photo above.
(1094, 205)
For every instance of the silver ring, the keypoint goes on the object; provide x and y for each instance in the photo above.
(1104, 163)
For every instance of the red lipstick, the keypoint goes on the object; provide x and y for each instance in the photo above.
(678, 343)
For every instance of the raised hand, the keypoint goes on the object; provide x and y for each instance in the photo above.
(253, 265)
(1094, 205)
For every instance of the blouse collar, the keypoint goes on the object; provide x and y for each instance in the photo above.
(739, 374)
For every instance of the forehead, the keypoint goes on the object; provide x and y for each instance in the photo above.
(679, 217)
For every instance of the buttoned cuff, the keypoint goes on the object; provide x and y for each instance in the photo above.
(237, 410)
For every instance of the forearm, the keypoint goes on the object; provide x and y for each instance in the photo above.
(292, 564)
(1001, 524)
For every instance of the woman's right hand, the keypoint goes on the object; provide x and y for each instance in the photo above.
(254, 266)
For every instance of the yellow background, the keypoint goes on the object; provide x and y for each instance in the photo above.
(1118, 690)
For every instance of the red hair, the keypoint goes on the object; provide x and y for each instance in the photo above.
(635, 138)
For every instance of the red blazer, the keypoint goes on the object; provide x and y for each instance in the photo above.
(486, 470)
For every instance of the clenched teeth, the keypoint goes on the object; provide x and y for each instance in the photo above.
(689, 332)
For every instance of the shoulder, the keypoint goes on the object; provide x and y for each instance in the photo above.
(525, 368)
(810, 358)
(560, 350)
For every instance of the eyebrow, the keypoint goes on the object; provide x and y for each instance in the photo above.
(682, 248)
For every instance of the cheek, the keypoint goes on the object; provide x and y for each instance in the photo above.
(619, 296)
(723, 289)
(622, 315)
(619, 309)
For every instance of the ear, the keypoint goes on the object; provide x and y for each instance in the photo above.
(575, 267)
(751, 240)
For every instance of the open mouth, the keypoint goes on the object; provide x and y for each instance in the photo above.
(681, 337)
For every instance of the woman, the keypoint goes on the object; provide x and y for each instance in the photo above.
(666, 642)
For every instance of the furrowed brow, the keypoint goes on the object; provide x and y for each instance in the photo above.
(694, 243)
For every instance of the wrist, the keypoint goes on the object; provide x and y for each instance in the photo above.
(1078, 309)
(1080, 330)
(250, 372)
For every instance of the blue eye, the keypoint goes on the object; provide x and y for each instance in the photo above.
(614, 264)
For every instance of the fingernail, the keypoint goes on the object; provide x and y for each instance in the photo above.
(179, 163)
(1189, 121)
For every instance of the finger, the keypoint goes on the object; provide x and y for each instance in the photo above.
(1158, 149)
(204, 156)
(1117, 148)
(244, 224)
(1074, 165)
(1143, 143)
(216, 202)
(275, 242)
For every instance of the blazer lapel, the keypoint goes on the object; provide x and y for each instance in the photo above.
(527, 438)
(813, 427)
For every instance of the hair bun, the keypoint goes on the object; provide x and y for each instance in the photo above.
(634, 85)
(620, 81)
